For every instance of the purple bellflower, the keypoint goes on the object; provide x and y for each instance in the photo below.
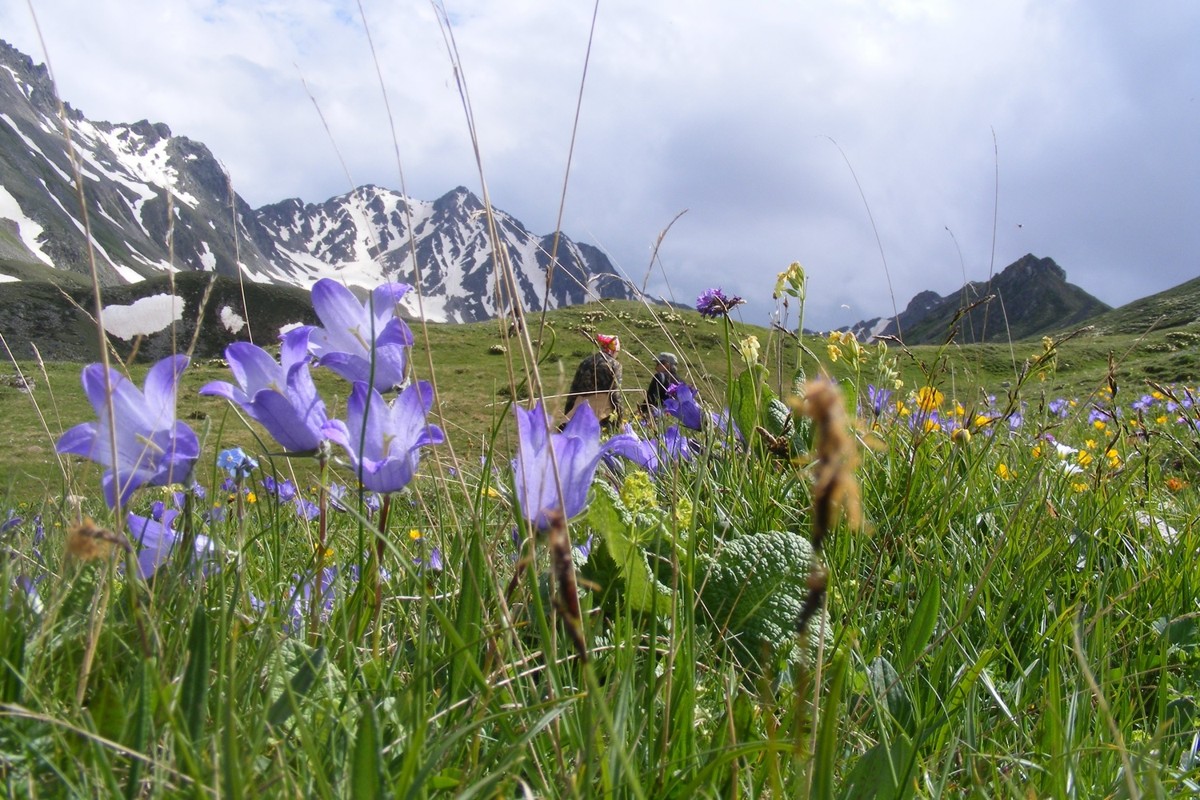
(675, 446)
(631, 447)
(576, 451)
(280, 397)
(682, 404)
(157, 540)
(384, 440)
(153, 448)
(361, 341)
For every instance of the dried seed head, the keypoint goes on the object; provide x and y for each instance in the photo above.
(835, 491)
(87, 541)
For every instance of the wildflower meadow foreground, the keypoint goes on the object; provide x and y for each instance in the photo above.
(782, 585)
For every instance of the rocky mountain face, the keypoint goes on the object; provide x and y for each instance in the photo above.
(1029, 297)
(156, 202)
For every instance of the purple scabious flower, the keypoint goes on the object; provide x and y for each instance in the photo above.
(361, 341)
(279, 396)
(383, 440)
(1060, 407)
(153, 448)
(681, 403)
(156, 541)
(715, 303)
(576, 452)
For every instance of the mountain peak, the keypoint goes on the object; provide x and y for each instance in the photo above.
(161, 202)
(1029, 267)
(1036, 299)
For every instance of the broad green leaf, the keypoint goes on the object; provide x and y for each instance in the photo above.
(308, 665)
(883, 772)
(138, 726)
(921, 627)
(890, 690)
(642, 592)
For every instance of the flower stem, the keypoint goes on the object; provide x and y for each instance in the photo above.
(377, 570)
(322, 528)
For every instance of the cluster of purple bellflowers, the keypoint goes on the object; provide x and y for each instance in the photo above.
(140, 442)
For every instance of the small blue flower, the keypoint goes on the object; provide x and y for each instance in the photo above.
(157, 540)
(306, 509)
(877, 399)
(236, 462)
(554, 471)
(10, 523)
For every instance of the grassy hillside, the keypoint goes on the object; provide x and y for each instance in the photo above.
(475, 368)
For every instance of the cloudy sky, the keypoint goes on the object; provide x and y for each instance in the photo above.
(1065, 128)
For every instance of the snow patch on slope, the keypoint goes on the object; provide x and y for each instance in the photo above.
(143, 317)
(27, 229)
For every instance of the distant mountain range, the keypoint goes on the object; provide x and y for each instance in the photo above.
(157, 203)
(1029, 297)
(163, 217)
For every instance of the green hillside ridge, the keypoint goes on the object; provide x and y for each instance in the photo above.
(471, 362)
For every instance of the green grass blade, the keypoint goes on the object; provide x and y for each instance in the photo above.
(194, 691)
(366, 772)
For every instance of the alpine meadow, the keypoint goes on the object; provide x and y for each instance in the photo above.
(322, 536)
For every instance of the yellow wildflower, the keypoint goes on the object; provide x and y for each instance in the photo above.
(637, 492)
(834, 351)
(1084, 458)
(415, 535)
(929, 398)
(1003, 472)
(1079, 486)
(684, 512)
(750, 348)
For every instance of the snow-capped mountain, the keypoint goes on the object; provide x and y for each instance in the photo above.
(157, 202)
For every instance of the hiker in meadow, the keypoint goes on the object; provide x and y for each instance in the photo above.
(597, 382)
(661, 381)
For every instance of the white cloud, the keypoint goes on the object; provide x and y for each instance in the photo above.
(725, 110)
